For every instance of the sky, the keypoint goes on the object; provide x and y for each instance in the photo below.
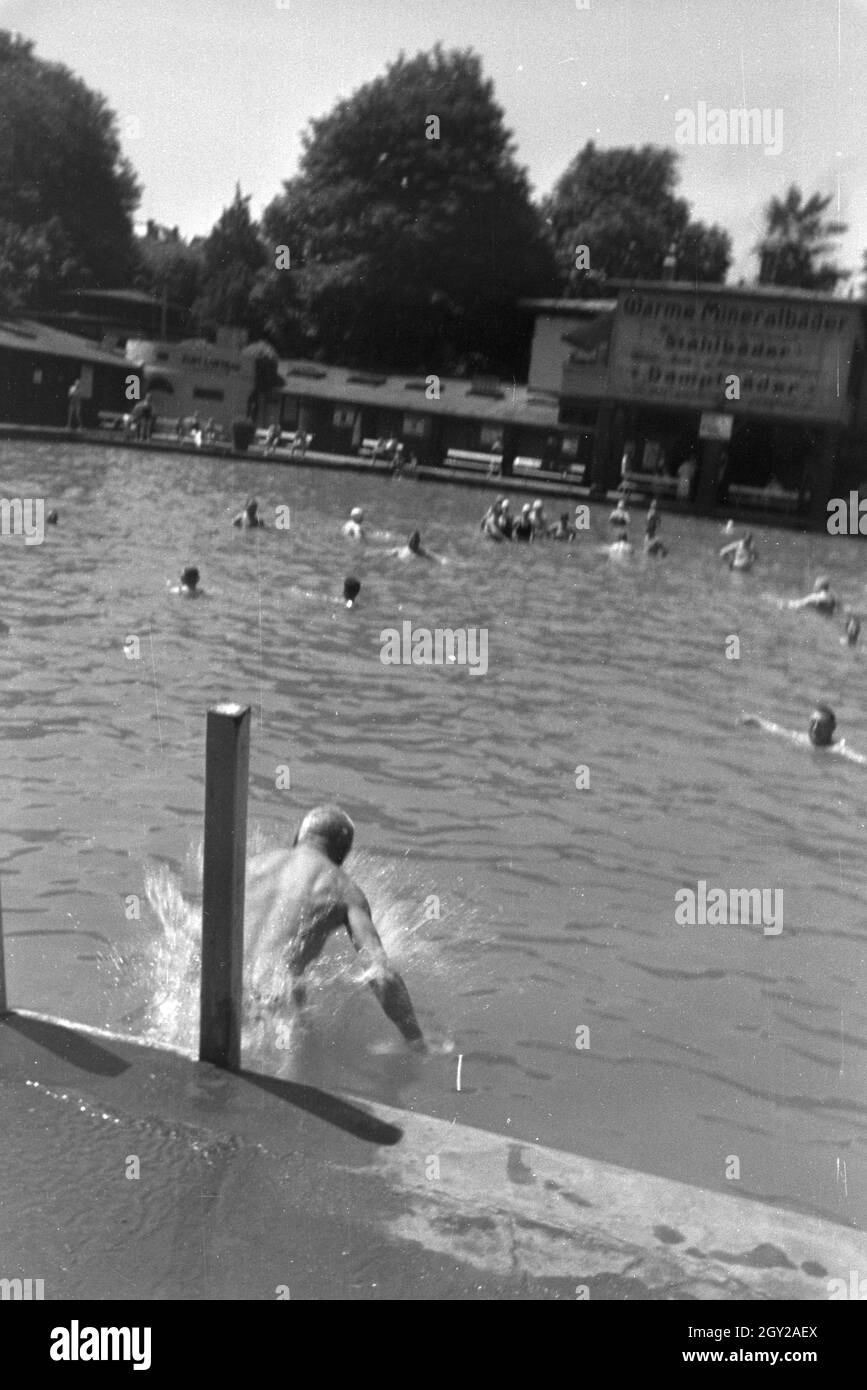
(213, 92)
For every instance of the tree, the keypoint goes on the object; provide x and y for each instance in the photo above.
(168, 264)
(620, 205)
(796, 237)
(62, 174)
(36, 264)
(410, 226)
(232, 258)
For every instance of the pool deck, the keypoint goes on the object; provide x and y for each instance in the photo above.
(535, 487)
(328, 1197)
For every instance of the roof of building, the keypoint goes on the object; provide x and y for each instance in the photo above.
(481, 399)
(573, 306)
(24, 335)
(570, 306)
(136, 297)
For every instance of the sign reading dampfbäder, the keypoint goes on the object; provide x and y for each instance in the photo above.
(733, 352)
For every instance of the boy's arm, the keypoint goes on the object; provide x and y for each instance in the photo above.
(385, 982)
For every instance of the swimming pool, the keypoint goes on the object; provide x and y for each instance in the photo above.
(521, 907)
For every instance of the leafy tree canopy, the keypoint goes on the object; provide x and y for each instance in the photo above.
(63, 179)
(621, 205)
(797, 237)
(232, 257)
(410, 225)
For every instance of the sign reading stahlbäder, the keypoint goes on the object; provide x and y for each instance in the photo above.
(731, 352)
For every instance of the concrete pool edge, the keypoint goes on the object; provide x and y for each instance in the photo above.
(537, 1222)
(350, 463)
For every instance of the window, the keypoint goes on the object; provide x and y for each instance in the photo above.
(344, 417)
(415, 424)
(159, 383)
(204, 393)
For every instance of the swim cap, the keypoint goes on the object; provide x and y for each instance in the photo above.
(190, 577)
(823, 582)
(537, 503)
(351, 587)
(330, 825)
(356, 514)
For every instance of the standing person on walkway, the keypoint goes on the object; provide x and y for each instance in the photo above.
(73, 418)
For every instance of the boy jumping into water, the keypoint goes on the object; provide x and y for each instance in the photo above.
(297, 898)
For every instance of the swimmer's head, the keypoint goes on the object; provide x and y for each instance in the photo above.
(52, 518)
(414, 542)
(356, 515)
(821, 584)
(330, 828)
(526, 509)
(505, 504)
(252, 507)
(537, 505)
(189, 577)
(351, 589)
(564, 518)
(823, 722)
(853, 629)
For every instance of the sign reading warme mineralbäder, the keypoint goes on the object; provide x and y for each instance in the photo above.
(788, 358)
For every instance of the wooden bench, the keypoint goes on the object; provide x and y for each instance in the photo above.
(289, 439)
(367, 447)
(535, 468)
(471, 462)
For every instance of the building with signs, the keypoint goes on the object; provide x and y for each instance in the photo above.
(194, 377)
(735, 397)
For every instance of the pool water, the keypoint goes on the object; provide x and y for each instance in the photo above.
(529, 906)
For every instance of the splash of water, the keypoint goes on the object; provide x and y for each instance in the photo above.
(273, 1029)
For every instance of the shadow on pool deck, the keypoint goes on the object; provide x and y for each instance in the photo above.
(254, 1182)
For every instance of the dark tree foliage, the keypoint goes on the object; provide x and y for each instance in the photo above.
(64, 183)
(796, 238)
(36, 265)
(169, 265)
(621, 205)
(409, 251)
(232, 258)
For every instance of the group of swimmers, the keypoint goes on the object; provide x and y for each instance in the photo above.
(531, 524)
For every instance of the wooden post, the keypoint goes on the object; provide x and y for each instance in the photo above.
(227, 760)
(3, 1006)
